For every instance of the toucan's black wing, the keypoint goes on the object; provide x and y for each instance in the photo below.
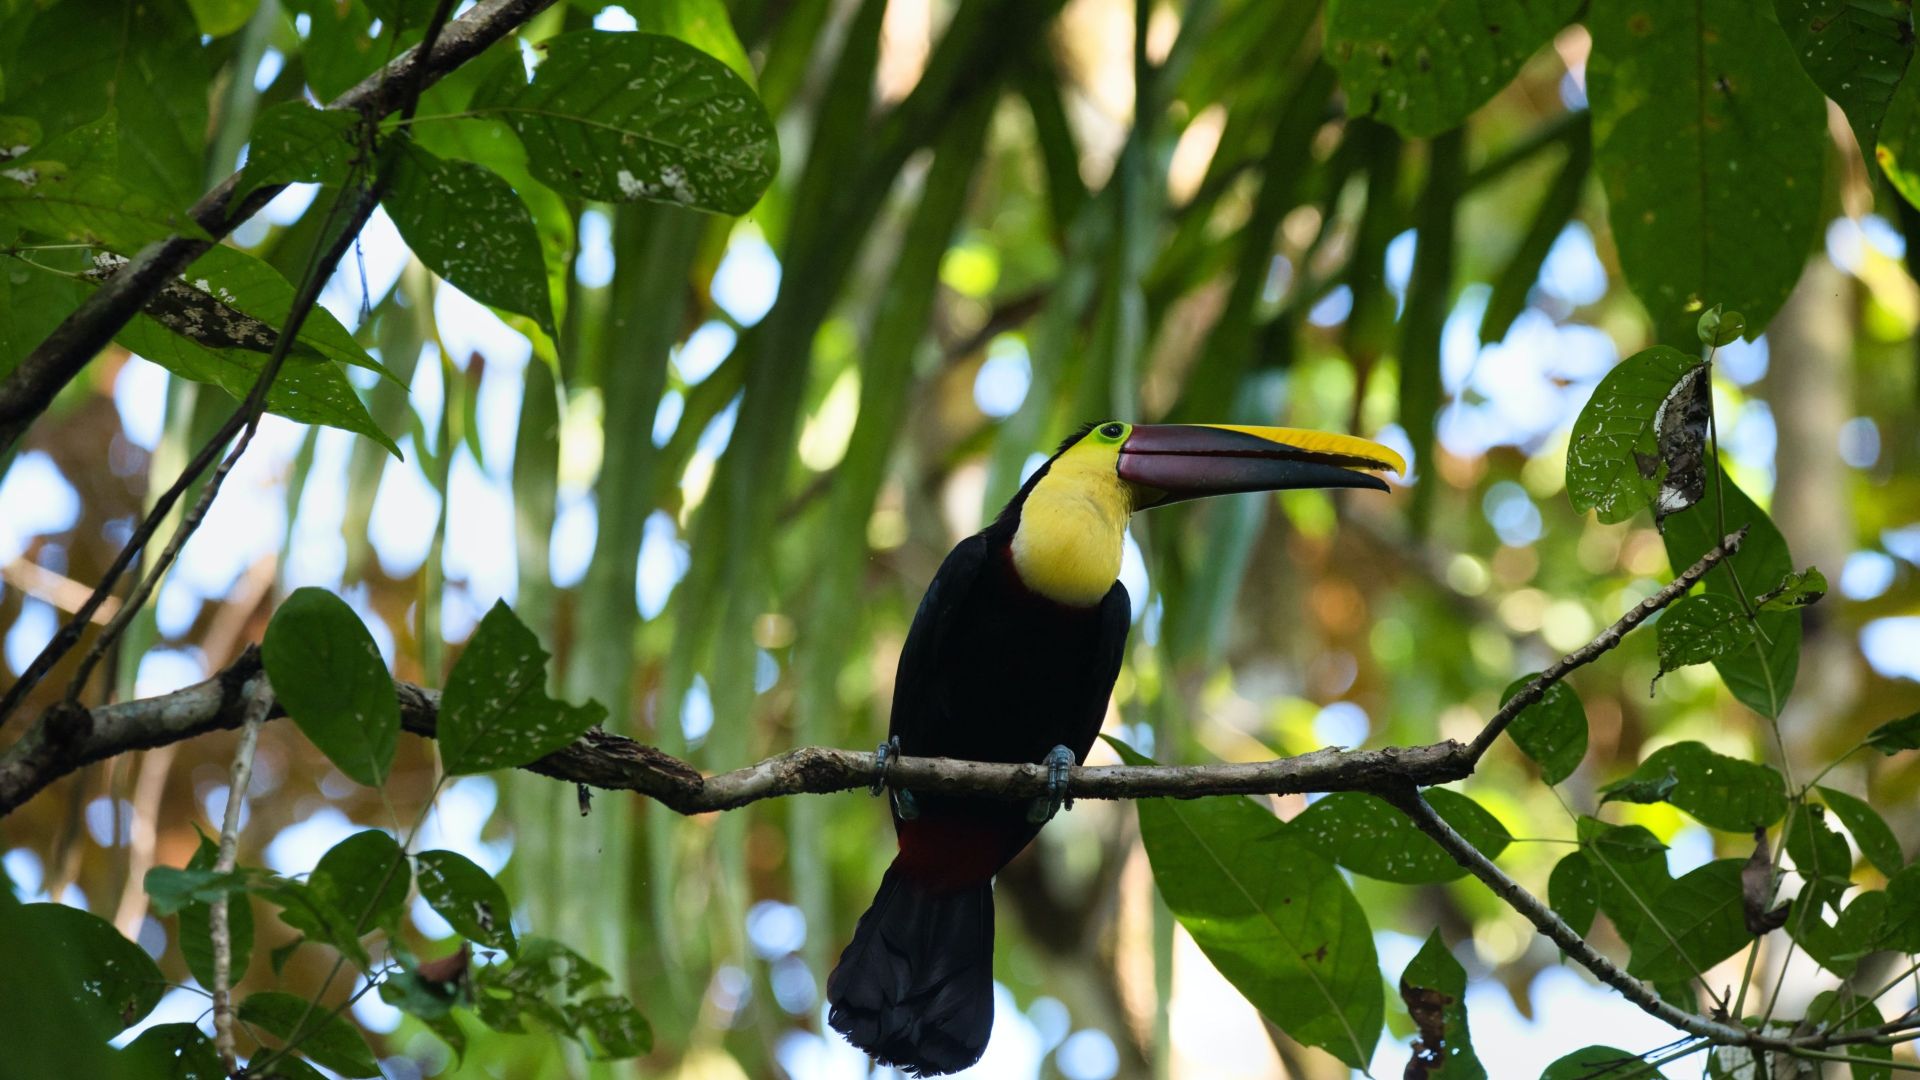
(917, 681)
(1116, 619)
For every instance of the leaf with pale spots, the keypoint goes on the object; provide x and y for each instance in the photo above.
(467, 225)
(1273, 915)
(1856, 51)
(1552, 730)
(295, 143)
(1702, 922)
(106, 981)
(1701, 629)
(1802, 588)
(1614, 463)
(612, 1027)
(467, 897)
(625, 116)
(327, 672)
(1707, 139)
(1761, 675)
(495, 713)
(1362, 833)
(1720, 792)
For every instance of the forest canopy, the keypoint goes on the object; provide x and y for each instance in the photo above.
(468, 471)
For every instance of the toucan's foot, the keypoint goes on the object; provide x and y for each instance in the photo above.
(1058, 761)
(883, 756)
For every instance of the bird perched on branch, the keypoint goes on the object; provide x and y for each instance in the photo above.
(1011, 658)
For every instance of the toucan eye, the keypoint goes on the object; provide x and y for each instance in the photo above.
(1113, 431)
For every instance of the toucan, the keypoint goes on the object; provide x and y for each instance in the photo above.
(1011, 658)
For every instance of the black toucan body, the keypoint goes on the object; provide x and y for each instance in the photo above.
(1012, 657)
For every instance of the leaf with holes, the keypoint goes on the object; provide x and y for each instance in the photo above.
(1697, 111)
(321, 1034)
(623, 117)
(1855, 50)
(1720, 792)
(1272, 914)
(1367, 836)
(1701, 629)
(1552, 731)
(1803, 588)
(327, 671)
(1613, 456)
(1761, 675)
(612, 1027)
(495, 713)
(1425, 67)
(468, 898)
(1434, 990)
(467, 225)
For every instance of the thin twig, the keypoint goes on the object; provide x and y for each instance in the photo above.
(221, 930)
(27, 391)
(1608, 639)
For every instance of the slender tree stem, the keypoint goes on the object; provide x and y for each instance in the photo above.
(220, 927)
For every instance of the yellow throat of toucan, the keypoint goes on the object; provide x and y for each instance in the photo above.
(1073, 524)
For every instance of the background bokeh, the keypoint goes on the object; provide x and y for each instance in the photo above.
(720, 494)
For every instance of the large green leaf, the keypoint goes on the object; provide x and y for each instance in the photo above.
(1899, 148)
(293, 142)
(1868, 829)
(70, 187)
(621, 117)
(1434, 989)
(703, 24)
(1700, 629)
(1551, 731)
(495, 713)
(1855, 51)
(366, 878)
(109, 981)
(1838, 946)
(1901, 929)
(1699, 920)
(1570, 891)
(1424, 67)
(467, 225)
(322, 1035)
(327, 671)
(468, 898)
(142, 62)
(1613, 457)
(1367, 836)
(1709, 140)
(612, 1026)
(1721, 792)
(34, 298)
(1627, 869)
(173, 1052)
(1600, 1063)
(1761, 675)
(1272, 914)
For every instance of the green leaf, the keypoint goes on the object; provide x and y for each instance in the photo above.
(196, 918)
(295, 143)
(1718, 326)
(1868, 829)
(468, 898)
(613, 1027)
(1641, 789)
(340, 48)
(366, 878)
(1839, 946)
(1700, 629)
(1896, 735)
(1855, 51)
(108, 981)
(69, 188)
(1833, 1011)
(621, 117)
(702, 24)
(1760, 676)
(1551, 731)
(1571, 892)
(1703, 203)
(1797, 590)
(1720, 792)
(1613, 457)
(467, 225)
(169, 888)
(1820, 855)
(1423, 68)
(218, 18)
(327, 671)
(173, 1052)
(1367, 836)
(306, 910)
(1702, 921)
(1274, 917)
(34, 299)
(1901, 928)
(1434, 989)
(1618, 843)
(289, 1068)
(142, 67)
(495, 713)
(1600, 1063)
(1628, 874)
(429, 1002)
(328, 1039)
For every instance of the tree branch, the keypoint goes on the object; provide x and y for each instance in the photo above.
(67, 738)
(259, 702)
(1608, 639)
(27, 391)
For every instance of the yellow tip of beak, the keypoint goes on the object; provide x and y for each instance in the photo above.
(1358, 452)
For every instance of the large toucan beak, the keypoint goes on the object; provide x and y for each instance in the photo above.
(1168, 463)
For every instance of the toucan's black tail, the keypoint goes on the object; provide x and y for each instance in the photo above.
(915, 986)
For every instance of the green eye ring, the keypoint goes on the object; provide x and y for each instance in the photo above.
(1112, 432)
